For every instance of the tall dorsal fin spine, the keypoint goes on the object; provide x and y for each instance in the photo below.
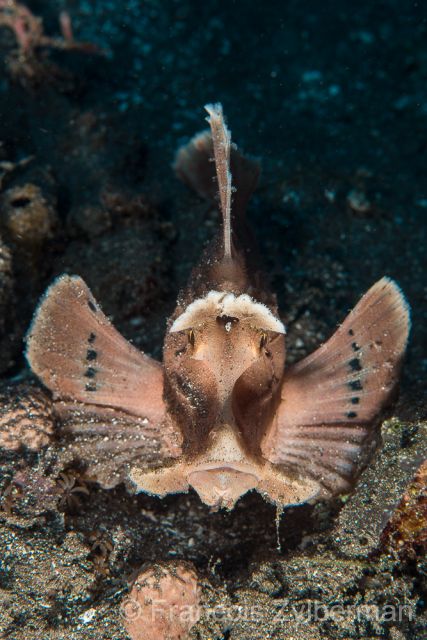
(221, 138)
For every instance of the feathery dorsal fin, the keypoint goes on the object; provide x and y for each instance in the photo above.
(221, 138)
(193, 165)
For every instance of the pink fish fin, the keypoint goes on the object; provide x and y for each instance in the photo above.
(331, 401)
(108, 395)
(195, 167)
(79, 356)
(112, 443)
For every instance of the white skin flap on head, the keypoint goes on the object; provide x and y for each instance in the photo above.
(216, 303)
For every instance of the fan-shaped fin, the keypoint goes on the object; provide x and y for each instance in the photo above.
(330, 401)
(78, 355)
(111, 443)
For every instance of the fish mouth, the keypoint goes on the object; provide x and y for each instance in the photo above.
(221, 486)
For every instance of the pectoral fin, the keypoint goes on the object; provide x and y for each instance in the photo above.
(78, 355)
(331, 400)
(112, 443)
(109, 395)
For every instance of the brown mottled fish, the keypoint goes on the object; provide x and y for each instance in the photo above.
(223, 414)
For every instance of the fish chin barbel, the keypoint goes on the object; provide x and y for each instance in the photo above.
(222, 414)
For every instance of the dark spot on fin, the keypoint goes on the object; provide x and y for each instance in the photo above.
(355, 400)
(355, 364)
(91, 306)
(90, 386)
(92, 338)
(91, 355)
(355, 385)
(355, 346)
(350, 332)
(90, 372)
(351, 414)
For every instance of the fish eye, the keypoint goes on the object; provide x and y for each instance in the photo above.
(191, 337)
(263, 340)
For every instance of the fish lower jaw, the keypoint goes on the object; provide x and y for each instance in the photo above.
(220, 484)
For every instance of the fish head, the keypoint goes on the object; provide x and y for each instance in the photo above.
(222, 352)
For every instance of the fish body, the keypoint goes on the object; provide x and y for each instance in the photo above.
(222, 414)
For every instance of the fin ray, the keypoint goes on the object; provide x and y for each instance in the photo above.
(111, 442)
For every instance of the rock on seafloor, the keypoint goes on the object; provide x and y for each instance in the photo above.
(28, 215)
(163, 603)
(362, 521)
(406, 531)
(26, 420)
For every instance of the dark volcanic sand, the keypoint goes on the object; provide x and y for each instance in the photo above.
(332, 98)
